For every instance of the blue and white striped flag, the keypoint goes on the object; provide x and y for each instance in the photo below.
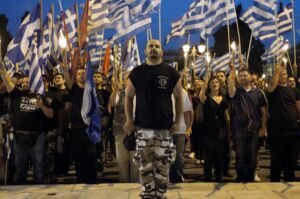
(267, 29)
(21, 43)
(132, 57)
(264, 10)
(191, 22)
(275, 49)
(36, 83)
(69, 22)
(47, 38)
(124, 33)
(95, 45)
(199, 64)
(220, 12)
(222, 63)
(98, 15)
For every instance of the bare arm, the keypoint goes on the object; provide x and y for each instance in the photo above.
(66, 73)
(264, 115)
(5, 78)
(48, 112)
(128, 105)
(274, 80)
(178, 101)
(202, 95)
(231, 83)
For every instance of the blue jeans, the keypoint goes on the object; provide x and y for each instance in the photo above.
(176, 170)
(247, 145)
(35, 154)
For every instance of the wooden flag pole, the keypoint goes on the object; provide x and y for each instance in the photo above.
(249, 48)
(238, 33)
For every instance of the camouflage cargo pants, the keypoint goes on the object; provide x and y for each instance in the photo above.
(154, 155)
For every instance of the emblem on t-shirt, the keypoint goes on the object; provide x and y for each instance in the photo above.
(162, 82)
(28, 104)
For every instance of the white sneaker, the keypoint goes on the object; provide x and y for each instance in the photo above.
(192, 155)
(257, 178)
(198, 162)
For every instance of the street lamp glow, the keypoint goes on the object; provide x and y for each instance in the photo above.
(62, 42)
(263, 76)
(186, 48)
(201, 48)
(233, 46)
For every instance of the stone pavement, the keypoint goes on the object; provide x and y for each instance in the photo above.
(131, 191)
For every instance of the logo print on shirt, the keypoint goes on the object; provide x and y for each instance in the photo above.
(162, 82)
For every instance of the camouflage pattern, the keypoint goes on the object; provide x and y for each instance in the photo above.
(155, 152)
(50, 152)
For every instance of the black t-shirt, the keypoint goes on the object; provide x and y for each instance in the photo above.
(214, 118)
(283, 112)
(27, 116)
(154, 86)
(103, 98)
(54, 101)
(246, 105)
(76, 94)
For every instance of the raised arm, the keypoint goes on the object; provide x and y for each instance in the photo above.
(231, 82)
(274, 80)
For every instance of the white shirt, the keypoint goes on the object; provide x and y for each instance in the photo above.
(187, 106)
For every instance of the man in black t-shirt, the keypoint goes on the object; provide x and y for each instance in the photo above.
(284, 115)
(30, 112)
(83, 150)
(248, 122)
(153, 84)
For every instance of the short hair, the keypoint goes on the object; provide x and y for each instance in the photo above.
(245, 70)
(221, 71)
(57, 74)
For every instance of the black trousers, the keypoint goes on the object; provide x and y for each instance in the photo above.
(214, 153)
(283, 148)
(84, 155)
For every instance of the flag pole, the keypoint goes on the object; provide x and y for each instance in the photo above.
(228, 29)
(249, 48)
(60, 5)
(238, 33)
(277, 36)
(41, 19)
(78, 27)
(100, 64)
(294, 38)
(159, 21)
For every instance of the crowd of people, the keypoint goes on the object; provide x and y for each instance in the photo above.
(217, 114)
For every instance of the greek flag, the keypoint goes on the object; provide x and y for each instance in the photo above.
(219, 13)
(267, 29)
(21, 43)
(36, 83)
(191, 22)
(275, 49)
(95, 45)
(70, 25)
(222, 63)
(132, 57)
(124, 32)
(264, 10)
(199, 64)
(90, 110)
(98, 15)
(47, 38)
